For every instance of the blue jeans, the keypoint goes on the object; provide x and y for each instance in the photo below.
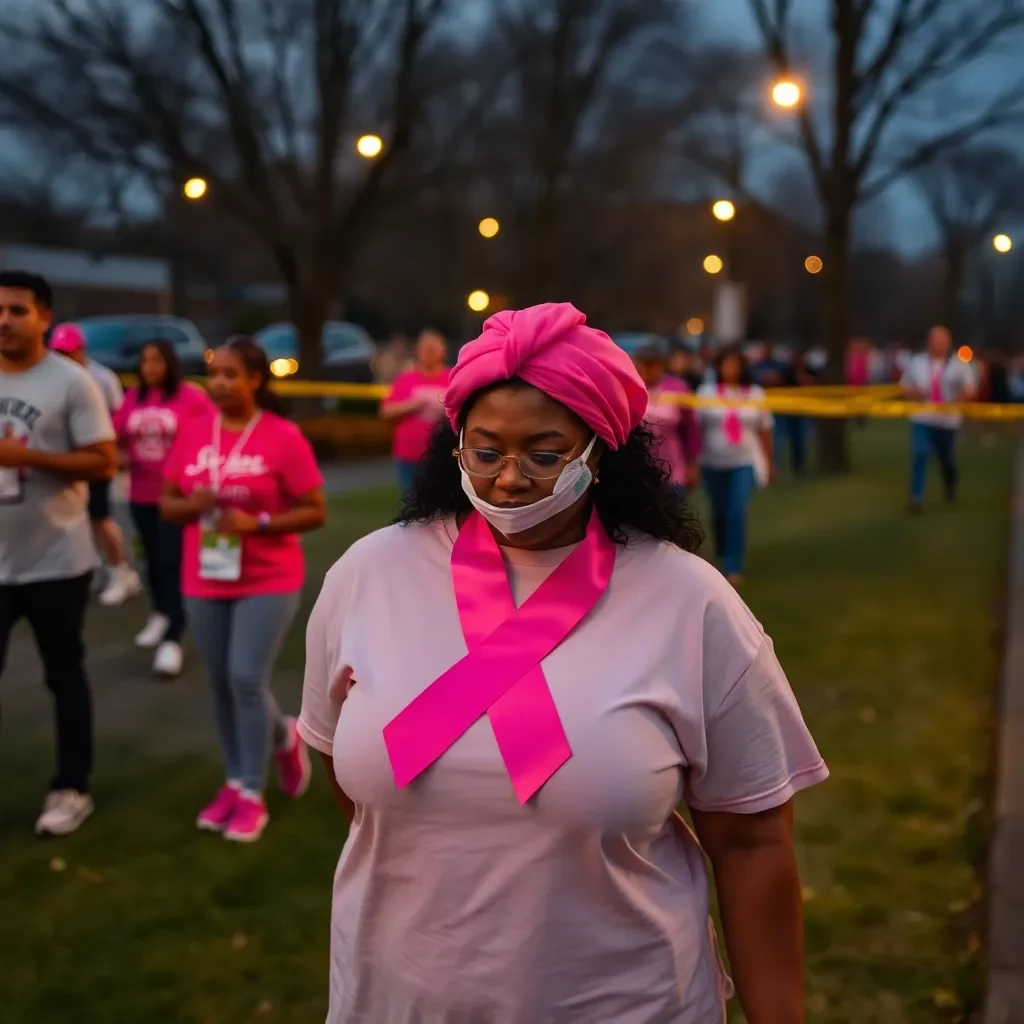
(238, 640)
(925, 440)
(794, 430)
(729, 491)
(406, 473)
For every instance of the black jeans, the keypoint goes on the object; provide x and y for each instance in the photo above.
(55, 610)
(161, 544)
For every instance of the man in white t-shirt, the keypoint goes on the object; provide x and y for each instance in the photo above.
(932, 376)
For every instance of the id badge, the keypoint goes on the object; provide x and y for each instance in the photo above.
(10, 487)
(220, 556)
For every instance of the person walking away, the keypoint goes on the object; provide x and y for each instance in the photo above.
(123, 581)
(244, 483)
(414, 405)
(55, 437)
(773, 371)
(147, 425)
(736, 456)
(934, 376)
(515, 853)
(675, 427)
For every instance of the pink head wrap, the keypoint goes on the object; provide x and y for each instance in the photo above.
(67, 338)
(550, 347)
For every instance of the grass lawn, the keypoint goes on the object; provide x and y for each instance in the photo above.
(885, 625)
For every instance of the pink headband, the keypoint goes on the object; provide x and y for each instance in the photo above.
(550, 347)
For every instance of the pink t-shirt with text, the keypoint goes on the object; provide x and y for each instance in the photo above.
(147, 428)
(412, 432)
(274, 467)
(452, 903)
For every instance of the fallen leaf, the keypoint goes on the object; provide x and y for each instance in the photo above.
(945, 999)
(958, 906)
(58, 864)
(88, 875)
(807, 893)
(239, 940)
(264, 1008)
(868, 715)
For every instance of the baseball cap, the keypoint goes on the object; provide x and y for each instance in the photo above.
(67, 338)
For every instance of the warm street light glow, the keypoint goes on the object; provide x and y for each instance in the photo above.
(813, 264)
(786, 93)
(724, 210)
(1002, 243)
(478, 301)
(695, 325)
(195, 188)
(713, 264)
(964, 353)
(489, 227)
(369, 146)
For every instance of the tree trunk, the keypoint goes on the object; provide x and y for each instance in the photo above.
(954, 284)
(833, 446)
(310, 304)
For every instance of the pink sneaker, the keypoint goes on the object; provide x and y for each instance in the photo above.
(292, 763)
(248, 821)
(215, 818)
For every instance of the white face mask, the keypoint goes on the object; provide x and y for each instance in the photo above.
(569, 488)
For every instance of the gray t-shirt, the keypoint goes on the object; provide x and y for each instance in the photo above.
(44, 524)
(109, 384)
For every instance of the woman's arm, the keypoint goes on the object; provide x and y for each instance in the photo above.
(178, 509)
(398, 410)
(348, 808)
(759, 899)
(309, 513)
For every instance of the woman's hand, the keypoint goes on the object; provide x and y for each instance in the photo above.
(234, 520)
(179, 508)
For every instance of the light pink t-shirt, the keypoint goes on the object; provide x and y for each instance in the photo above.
(675, 428)
(453, 903)
(274, 467)
(412, 432)
(147, 429)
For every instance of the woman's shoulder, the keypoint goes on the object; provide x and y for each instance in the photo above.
(392, 549)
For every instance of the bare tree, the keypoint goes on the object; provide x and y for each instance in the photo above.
(886, 61)
(970, 194)
(586, 105)
(262, 98)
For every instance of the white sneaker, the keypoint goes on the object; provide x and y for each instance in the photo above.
(169, 659)
(124, 583)
(63, 812)
(153, 632)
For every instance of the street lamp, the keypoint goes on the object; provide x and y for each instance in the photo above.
(489, 227)
(724, 210)
(786, 93)
(1002, 243)
(813, 264)
(694, 326)
(195, 188)
(369, 146)
(713, 264)
(478, 300)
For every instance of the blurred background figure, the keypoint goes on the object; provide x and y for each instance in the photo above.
(147, 426)
(776, 369)
(935, 376)
(676, 427)
(122, 580)
(415, 404)
(394, 356)
(736, 456)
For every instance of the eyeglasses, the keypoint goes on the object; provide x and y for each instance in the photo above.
(487, 463)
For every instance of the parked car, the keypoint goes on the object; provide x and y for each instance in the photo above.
(631, 342)
(117, 341)
(348, 351)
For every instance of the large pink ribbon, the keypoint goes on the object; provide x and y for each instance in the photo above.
(501, 675)
(732, 426)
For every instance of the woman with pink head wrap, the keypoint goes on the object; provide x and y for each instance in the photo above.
(514, 687)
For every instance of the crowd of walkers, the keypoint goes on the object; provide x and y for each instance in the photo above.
(512, 688)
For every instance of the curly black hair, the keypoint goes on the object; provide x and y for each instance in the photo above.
(634, 492)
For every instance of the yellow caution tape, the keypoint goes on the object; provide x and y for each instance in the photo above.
(818, 402)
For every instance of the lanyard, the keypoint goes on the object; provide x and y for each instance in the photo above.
(236, 450)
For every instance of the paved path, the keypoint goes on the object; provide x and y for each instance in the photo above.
(1005, 999)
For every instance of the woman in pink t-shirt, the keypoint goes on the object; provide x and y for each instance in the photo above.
(513, 690)
(415, 404)
(244, 483)
(147, 424)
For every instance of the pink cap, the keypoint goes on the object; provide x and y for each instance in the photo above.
(550, 347)
(67, 338)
